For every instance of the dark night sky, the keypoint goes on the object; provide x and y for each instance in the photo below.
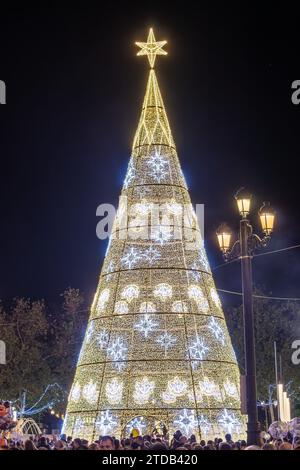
(74, 93)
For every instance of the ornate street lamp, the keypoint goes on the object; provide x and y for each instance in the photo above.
(244, 248)
(224, 237)
(267, 217)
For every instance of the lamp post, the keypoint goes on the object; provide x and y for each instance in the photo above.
(243, 249)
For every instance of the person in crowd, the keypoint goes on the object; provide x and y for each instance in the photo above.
(29, 445)
(106, 443)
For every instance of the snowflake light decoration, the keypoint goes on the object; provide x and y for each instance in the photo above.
(215, 298)
(166, 340)
(79, 426)
(151, 255)
(131, 258)
(102, 339)
(106, 422)
(231, 389)
(229, 422)
(117, 352)
(187, 422)
(159, 174)
(130, 175)
(158, 165)
(130, 292)
(136, 423)
(75, 393)
(163, 291)
(177, 387)
(198, 349)
(121, 307)
(205, 424)
(147, 307)
(146, 325)
(114, 391)
(102, 300)
(90, 392)
(217, 330)
(143, 390)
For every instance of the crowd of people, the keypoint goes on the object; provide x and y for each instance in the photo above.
(147, 442)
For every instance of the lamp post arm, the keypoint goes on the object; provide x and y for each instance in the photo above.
(256, 242)
(234, 252)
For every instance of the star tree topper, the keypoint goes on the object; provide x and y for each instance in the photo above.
(151, 48)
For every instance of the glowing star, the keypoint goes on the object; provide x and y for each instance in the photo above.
(147, 307)
(131, 258)
(229, 422)
(106, 422)
(215, 298)
(151, 255)
(231, 389)
(102, 300)
(196, 294)
(143, 390)
(210, 388)
(177, 386)
(216, 329)
(114, 391)
(166, 340)
(198, 349)
(162, 235)
(151, 48)
(130, 175)
(121, 307)
(205, 425)
(146, 325)
(89, 332)
(136, 423)
(163, 291)
(102, 339)
(90, 392)
(79, 426)
(130, 292)
(186, 422)
(117, 352)
(75, 394)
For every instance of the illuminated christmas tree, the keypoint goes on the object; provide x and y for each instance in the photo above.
(156, 351)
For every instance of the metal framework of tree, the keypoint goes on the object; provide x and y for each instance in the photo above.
(157, 348)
